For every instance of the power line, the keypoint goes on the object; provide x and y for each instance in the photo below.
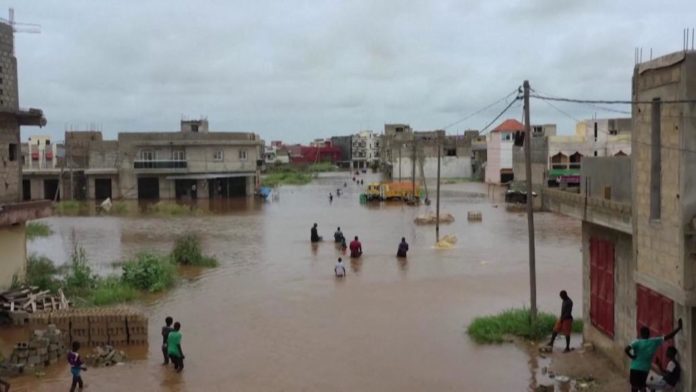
(468, 116)
(610, 102)
(587, 104)
(499, 115)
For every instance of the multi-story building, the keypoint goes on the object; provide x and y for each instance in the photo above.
(365, 151)
(13, 211)
(639, 220)
(345, 145)
(499, 152)
(42, 162)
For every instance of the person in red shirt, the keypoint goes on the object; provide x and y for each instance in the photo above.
(355, 248)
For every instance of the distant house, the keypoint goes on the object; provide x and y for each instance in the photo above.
(499, 168)
(307, 155)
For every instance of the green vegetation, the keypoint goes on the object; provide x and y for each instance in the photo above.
(149, 272)
(119, 207)
(69, 207)
(38, 229)
(111, 290)
(514, 322)
(321, 167)
(286, 178)
(146, 272)
(41, 272)
(187, 251)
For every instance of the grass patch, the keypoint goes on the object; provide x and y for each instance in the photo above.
(120, 207)
(41, 272)
(38, 229)
(515, 322)
(111, 290)
(321, 167)
(79, 278)
(187, 251)
(286, 178)
(69, 207)
(149, 272)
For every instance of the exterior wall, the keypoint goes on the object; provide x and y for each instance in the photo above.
(450, 167)
(539, 161)
(494, 160)
(612, 172)
(345, 144)
(10, 169)
(14, 253)
(365, 148)
(624, 293)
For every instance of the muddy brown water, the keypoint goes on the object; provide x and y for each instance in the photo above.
(272, 317)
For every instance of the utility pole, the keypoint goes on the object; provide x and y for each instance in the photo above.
(437, 198)
(401, 146)
(530, 204)
(413, 170)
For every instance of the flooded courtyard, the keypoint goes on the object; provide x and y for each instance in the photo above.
(272, 316)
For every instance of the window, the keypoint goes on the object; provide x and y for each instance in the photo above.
(48, 142)
(218, 155)
(13, 152)
(242, 155)
(194, 127)
(147, 155)
(451, 152)
(178, 155)
(506, 137)
(537, 130)
(655, 160)
(602, 285)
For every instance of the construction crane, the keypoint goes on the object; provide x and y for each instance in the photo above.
(18, 27)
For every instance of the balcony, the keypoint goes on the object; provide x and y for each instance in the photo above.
(159, 164)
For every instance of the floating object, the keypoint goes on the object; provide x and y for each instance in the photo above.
(474, 216)
(447, 242)
(106, 205)
(430, 218)
(265, 192)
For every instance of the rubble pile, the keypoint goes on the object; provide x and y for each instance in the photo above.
(46, 347)
(105, 356)
(29, 299)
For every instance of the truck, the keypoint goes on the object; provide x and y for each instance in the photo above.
(392, 191)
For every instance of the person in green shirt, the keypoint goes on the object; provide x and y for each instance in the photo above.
(641, 351)
(176, 354)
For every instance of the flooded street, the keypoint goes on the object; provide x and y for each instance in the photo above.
(272, 317)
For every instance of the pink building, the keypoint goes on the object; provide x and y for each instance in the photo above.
(499, 151)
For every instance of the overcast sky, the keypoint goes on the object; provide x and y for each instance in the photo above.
(298, 70)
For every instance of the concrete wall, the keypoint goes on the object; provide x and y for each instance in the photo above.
(539, 161)
(14, 254)
(493, 158)
(624, 294)
(613, 173)
(450, 167)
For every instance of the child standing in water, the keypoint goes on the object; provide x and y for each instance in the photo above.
(176, 354)
(76, 365)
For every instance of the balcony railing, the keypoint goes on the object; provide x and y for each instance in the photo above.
(159, 164)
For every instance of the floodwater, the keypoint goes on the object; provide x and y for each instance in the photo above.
(272, 317)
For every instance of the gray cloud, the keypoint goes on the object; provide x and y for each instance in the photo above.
(297, 70)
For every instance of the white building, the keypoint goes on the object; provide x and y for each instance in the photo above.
(365, 149)
(499, 167)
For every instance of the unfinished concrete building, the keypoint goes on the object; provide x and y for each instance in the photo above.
(193, 163)
(13, 211)
(639, 228)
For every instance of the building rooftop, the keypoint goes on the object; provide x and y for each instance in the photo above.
(509, 125)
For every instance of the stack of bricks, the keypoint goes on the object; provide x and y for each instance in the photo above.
(97, 326)
(45, 348)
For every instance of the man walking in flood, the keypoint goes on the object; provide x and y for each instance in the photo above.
(314, 236)
(564, 325)
(338, 236)
(403, 248)
(355, 248)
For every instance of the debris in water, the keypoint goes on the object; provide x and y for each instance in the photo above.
(447, 242)
(474, 216)
(105, 356)
(430, 218)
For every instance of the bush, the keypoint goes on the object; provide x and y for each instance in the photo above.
(41, 272)
(38, 229)
(112, 290)
(286, 178)
(515, 322)
(187, 251)
(149, 272)
(321, 167)
(119, 208)
(79, 278)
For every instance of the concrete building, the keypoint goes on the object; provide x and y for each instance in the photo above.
(345, 145)
(13, 211)
(594, 137)
(499, 168)
(639, 220)
(276, 155)
(42, 160)
(365, 149)
(402, 147)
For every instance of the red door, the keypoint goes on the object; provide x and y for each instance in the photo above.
(602, 285)
(656, 312)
